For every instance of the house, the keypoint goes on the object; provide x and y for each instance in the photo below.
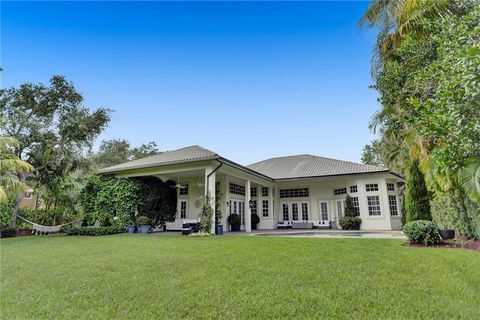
(29, 200)
(292, 191)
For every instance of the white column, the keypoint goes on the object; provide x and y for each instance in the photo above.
(271, 212)
(248, 215)
(210, 191)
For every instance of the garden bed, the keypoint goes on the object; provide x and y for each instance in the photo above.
(454, 244)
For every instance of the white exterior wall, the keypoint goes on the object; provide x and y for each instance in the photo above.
(321, 189)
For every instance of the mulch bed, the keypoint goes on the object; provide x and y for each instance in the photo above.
(453, 244)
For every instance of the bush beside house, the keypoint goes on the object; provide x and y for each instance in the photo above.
(422, 232)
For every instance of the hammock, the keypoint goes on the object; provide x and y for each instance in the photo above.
(40, 229)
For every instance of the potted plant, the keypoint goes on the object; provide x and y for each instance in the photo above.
(234, 221)
(143, 224)
(255, 221)
(131, 227)
(218, 212)
(350, 221)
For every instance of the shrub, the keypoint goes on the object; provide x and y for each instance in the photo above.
(255, 219)
(350, 223)
(93, 231)
(234, 219)
(206, 216)
(8, 232)
(422, 232)
(143, 220)
(417, 199)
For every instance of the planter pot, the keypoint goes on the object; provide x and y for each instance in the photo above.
(235, 228)
(254, 226)
(447, 234)
(144, 229)
(164, 227)
(219, 229)
(131, 229)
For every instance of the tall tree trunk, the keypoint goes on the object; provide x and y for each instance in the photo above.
(22, 177)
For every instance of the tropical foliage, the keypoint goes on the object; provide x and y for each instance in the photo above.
(426, 72)
(105, 198)
(9, 165)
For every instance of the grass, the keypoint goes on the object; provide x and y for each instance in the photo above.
(134, 276)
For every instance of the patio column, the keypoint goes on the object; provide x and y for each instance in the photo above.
(248, 215)
(210, 191)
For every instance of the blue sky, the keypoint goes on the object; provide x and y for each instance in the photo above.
(247, 80)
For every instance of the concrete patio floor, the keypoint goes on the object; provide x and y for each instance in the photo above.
(371, 234)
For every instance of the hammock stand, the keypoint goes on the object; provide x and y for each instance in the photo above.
(39, 229)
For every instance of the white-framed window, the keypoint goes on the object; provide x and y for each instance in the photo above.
(353, 189)
(285, 212)
(340, 191)
(294, 193)
(374, 206)
(253, 191)
(324, 210)
(356, 206)
(295, 211)
(390, 187)
(392, 202)
(183, 190)
(264, 191)
(183, 209)
(254, 207)
(237, 189)
(371, 187)
(304, 211)
(265, 208)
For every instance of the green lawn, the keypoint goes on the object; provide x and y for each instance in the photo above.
(134, 276)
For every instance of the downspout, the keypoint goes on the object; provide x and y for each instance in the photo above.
(210, 174)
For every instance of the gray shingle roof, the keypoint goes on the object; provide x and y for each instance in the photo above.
(187, 154)
(302, 166)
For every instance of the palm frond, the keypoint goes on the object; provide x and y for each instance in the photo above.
(469, 177)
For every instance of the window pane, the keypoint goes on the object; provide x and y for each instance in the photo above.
(324, 211)
(265, 208)
(392, 202)
(294, 211)
(374, 205)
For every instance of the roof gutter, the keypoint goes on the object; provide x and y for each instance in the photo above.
(210, 174)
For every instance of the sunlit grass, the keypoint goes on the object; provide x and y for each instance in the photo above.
(134, 276)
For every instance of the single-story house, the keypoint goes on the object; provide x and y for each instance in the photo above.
(292, 191)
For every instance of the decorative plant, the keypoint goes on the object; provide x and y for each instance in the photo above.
(255, 218)
(350, 221)
(218, 211)
(422, 232)
(234, 219)
(143, 220)
(206, 216)
(417, 199)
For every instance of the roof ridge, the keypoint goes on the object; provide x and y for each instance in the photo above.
(315, 156)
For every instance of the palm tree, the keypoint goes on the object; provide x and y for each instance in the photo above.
(397, 18)
(10, 163)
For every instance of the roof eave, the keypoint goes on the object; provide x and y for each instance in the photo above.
(107, 171)
(333, 175)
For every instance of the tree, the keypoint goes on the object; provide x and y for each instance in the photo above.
(9, 164)
(51, 125)
(417, 199)
(396, 19)
(372, 154)
(116, 151)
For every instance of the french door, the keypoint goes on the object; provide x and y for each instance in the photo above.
(238, 207)
(340, 204)
(295, 211)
